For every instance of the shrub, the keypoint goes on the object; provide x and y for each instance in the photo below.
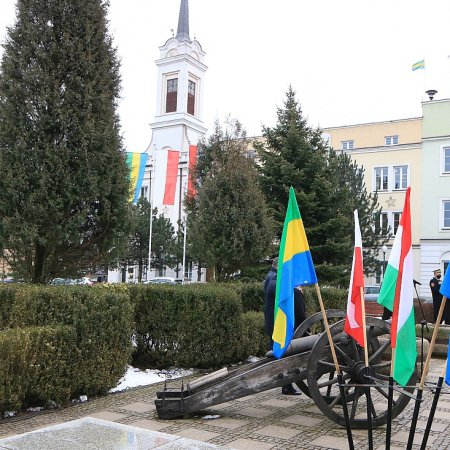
(254, 341)
(194, 325)
(102, 320)
(37, 365)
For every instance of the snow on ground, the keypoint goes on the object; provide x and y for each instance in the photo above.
(135, 377)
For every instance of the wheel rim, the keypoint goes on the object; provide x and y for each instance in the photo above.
(323, 382)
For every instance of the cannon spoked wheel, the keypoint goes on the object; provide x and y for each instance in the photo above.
(323, 382)
(314, 325)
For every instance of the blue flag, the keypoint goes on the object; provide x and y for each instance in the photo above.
(447, 375)
(445, 287)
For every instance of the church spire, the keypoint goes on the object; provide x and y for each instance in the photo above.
(183, 22)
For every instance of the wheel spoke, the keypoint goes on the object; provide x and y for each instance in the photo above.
(355, 402)
(380, 350)
(328, 383)
(343, 354)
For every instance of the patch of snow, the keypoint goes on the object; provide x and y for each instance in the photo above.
(83, 398)
(210, 417)
(135, 377)
(7, 414)
(35, 409)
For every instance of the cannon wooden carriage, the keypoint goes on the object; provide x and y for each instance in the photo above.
(308, 363)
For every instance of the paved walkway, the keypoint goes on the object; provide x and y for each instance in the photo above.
(263, 421)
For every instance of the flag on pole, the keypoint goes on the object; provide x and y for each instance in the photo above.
(191, 170)
(418, 65)
(173, 157)
(295, 268)
(396, 294)
(445, 286)
(447, 374)
(136, 163)
(354, 320)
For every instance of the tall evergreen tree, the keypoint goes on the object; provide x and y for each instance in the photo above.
(328, 187)
(63, 177)
(164, 243)
(138, 242)
(228, 222)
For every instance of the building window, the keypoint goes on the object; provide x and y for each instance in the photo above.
(384, 223)
(144, 192)
(381, 179)
(188, 270)
(396, 221)
(446, 160)
(348, 145)
(391, 140)
(191, 97)
(446, 214)
(171, 95)
(400, 177)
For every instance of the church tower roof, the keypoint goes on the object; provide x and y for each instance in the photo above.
(183, 22)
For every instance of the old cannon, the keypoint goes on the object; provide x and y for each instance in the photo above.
(309, 364)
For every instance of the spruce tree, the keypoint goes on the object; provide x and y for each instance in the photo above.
(229, 227)
(63, 177)
(328, 188)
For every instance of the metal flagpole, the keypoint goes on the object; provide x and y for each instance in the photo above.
(150, 199)
(433, 409)
(424, 374)
(367, 370)
(336, 364)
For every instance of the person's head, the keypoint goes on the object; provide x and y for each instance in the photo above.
(437, 273)
(275, 263)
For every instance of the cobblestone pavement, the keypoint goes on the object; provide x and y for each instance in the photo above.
(267, 420)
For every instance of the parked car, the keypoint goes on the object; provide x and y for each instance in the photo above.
(371, 293)
(161, 280)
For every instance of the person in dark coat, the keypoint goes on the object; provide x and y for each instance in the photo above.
(270, 285)
(435, 286)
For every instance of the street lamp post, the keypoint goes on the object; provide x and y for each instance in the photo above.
(384, 250)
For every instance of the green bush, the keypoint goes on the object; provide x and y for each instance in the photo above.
(251, 294)
(102, 320)
(254, 341)
(333, 298)
(7, 296)
(194, 325)
(37, 366)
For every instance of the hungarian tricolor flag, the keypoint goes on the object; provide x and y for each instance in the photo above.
(354, 320)
(396, 294)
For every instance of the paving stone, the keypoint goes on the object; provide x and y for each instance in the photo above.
(279, 403)
(255, 412)
(306, 421)
(422, 424)
(139, 407)
(108, 415)
(313, 409)
(332, 442)
(228, 423)
(248, 444)
(438, 414)
(197, 434)
(403, 436)
(150, 424)
(278, 432)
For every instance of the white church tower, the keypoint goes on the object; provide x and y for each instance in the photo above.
(178, 124)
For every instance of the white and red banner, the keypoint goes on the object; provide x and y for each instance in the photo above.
(354, 318)
(191, 170)
(173, 157)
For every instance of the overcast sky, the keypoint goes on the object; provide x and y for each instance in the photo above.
(349, 61)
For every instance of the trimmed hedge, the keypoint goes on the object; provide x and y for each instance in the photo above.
(37, 366)
(196, 325)
(100, 319)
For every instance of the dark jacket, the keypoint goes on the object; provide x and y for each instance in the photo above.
(270, 285)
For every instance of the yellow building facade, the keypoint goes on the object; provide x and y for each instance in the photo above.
(391, 154)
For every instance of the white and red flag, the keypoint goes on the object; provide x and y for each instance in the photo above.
(354, 318)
